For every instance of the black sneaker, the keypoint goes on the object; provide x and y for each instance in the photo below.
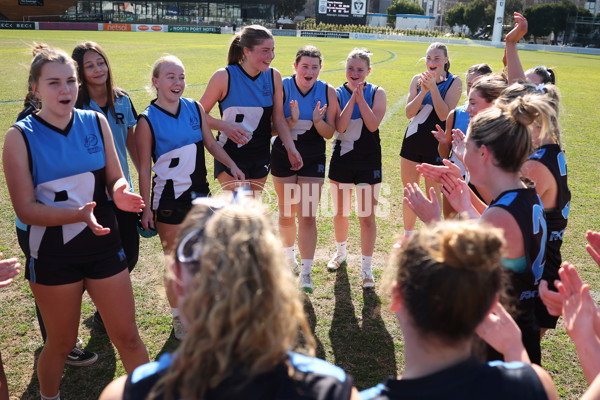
(98, 323)
(80, 358)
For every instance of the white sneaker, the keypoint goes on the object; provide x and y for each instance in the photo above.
(336, 262)
(368, 281)
(306, 284)
(294, 267)
(178, 328)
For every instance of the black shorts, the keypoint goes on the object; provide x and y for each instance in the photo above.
(174, 216)
(255, 169)
(130, 238)
(313, 167)
(421, 148)
(345, 174)
(55, 272)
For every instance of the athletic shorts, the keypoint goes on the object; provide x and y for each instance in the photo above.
(256, 169)
(313, 167)
(53, 273)
(421, 148)
(345, 174)
(174, 216)
(130, 238)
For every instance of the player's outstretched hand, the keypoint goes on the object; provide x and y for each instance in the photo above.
(501, 332)
(126, 200)
(593, 247)
(427, 210)
(9, 268)
(435, 172)
(87, 216)
(519, 30)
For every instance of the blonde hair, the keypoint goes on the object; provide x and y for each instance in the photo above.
(243, 308)
(504, 129)
(449, 275)
(549, 93)
(360, 54)
(490, 87)
(166, 59)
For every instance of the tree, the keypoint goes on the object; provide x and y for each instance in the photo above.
(510, 7)
(540, 19)
(403, 7)
(479, 14)
(456, 15)
(287, 8)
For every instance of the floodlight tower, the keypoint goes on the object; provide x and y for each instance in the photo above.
(498, 22)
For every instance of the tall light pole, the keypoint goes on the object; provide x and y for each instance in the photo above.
(498, 22)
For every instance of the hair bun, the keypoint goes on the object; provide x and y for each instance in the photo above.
(39, 48)
(471, 249)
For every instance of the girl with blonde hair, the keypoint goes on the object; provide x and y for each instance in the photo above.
(243, 314)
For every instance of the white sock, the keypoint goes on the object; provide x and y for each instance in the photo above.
(366, 262)
(175, 312)
(408, 233)
(341, 249)
(289, 252)
(57, 397)
(306, 266)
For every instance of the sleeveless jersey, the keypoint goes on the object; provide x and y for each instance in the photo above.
(120, 120)
(178, 155)
(68, 170)
(248, 104)
(553, 158)
(357, 147)
(313, 379)
(306, 138)
(526, 208)
(426, 119)
(470, 379)
(461, 121)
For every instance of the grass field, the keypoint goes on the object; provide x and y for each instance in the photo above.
(353, 328)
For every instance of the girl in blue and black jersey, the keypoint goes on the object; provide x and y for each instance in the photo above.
(250, 96)
(171, 135)
(356, 160)
(60, 163)
(309, 106)
(431, 95)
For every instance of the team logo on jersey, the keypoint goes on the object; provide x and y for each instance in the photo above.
(195, 123)
(266, 90)
(120, 118)
(91, 144)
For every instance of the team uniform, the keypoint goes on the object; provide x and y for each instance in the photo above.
(419, 145)
(525, 273)
(178, 155)
(356, 156)
(309, 143)
(313, 379)
(470, 379)
(68, 171)
(248, 104)
(461, 121)
(120, 120)
(553, 158)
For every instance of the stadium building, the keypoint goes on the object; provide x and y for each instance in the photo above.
(139, 11)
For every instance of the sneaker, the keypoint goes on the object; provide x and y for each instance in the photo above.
(336, 262)
(368, 281)
(80, 357)
(306, 284)
(293, 264)
(178, 328)
(98, 323)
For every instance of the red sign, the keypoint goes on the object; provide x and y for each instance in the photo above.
(142, 27)
(116, 27)
(156, 28)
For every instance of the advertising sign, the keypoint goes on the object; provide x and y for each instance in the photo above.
(194, 29)
(16, 25)
(149, 28)
(116, 27)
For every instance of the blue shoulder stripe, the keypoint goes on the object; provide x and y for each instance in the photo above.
(310, 364)
(146, 370)
(507, 365)
(539, 153)
(506, 199)
(371, 393)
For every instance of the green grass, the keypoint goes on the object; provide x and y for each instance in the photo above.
(352, 327)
